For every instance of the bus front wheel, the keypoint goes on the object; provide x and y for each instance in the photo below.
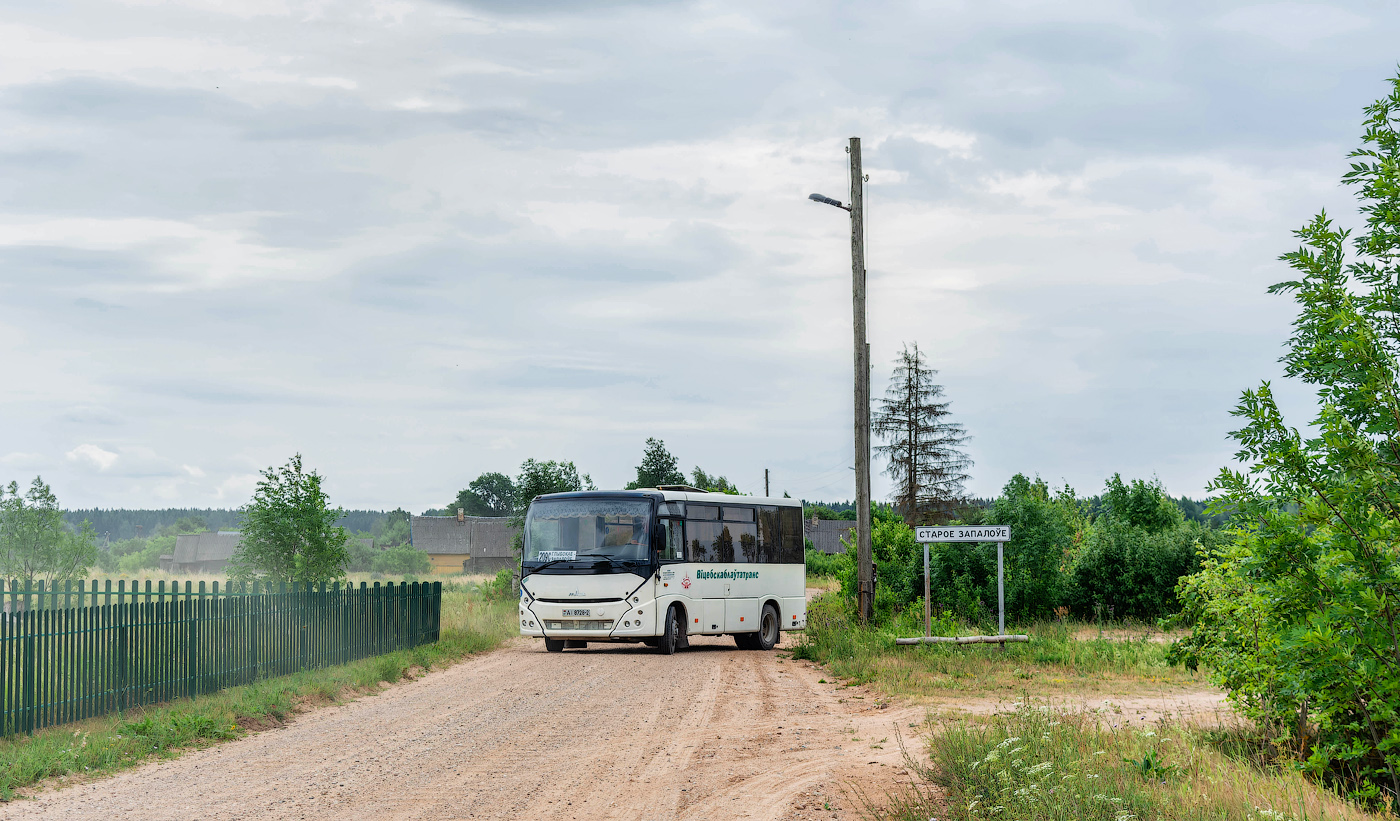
(671, 638)
(554, 645)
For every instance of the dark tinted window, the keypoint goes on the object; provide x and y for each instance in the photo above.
(744, 537)
(769, 544)
(704, 539)
(702, 512)
(724, 545)
(738, 514)
(791, 539)
(741, 541)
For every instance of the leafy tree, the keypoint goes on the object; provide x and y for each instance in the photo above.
(289, 530)
(1141, 504)
(490, 494)
(402, 561)
(360, 555)
(190, 524)
(540, 477)
(34, 544)
(923, 447)
(822, 511)
(713, 484)
(1044, 528)
(1299, 616)
(658, 467)
(394, 530)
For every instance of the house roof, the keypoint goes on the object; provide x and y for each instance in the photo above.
(191, 548)
(477, 536)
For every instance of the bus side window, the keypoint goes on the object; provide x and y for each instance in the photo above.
(672, 543)
(792, 540)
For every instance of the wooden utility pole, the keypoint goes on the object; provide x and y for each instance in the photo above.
(765, 483)
(864, 568)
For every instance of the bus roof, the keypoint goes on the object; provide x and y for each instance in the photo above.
(679, 495)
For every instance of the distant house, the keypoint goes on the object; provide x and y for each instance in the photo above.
(464, 544)
(204, 552)
(826, 534)
(207, 552)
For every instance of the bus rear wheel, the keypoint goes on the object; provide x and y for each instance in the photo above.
(554, 645)
(767, 636)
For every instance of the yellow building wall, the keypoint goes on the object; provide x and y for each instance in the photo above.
(447, 562)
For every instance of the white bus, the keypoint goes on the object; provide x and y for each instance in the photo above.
(657, 566)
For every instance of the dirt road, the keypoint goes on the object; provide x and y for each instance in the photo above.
(611, 732)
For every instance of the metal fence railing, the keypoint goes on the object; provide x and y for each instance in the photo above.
(74, 651)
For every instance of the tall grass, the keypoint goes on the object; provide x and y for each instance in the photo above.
(1036, 763)
(472, 622)
(1054, 659)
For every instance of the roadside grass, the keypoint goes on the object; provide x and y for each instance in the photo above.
(1055, 662)
(1038, 763)
(155, 575)
(471, 624)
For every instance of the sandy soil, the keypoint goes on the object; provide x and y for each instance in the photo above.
(611, 732)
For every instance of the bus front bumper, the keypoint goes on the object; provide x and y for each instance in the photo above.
(595, 622)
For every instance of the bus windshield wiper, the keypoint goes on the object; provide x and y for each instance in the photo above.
(603, 556)
(614, 561)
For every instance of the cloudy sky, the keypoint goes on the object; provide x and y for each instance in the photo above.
(419, 240)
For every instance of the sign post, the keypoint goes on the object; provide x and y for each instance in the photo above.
(993, 533)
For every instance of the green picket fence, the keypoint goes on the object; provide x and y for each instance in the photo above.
(74, 651)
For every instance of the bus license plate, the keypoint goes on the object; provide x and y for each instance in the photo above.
(573, 613)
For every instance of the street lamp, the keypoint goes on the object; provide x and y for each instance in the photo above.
(828, 201)
(865, 577)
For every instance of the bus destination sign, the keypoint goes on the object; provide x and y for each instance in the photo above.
(992, 533)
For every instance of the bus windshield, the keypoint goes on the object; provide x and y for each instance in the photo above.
(607, 532)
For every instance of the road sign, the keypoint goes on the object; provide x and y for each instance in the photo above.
(994, 533)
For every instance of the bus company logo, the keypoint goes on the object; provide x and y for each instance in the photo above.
(686, 582)
(726, 574)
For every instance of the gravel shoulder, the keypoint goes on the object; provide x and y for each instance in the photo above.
(610, 732)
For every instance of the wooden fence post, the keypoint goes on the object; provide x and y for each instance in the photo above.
(27, 625)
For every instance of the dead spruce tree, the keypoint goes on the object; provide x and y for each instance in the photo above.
(922, 447)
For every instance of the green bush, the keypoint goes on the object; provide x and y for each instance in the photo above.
(143, 554)
(1127, 572)
(501, 587)
(1124, 563)
(1297, 617)
(825, 564)
(401, 561)
(362, 556)
(1043, 529)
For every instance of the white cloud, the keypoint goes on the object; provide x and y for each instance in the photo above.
(237, 489)
(33, 54)
(92, 455)
(416, 241)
